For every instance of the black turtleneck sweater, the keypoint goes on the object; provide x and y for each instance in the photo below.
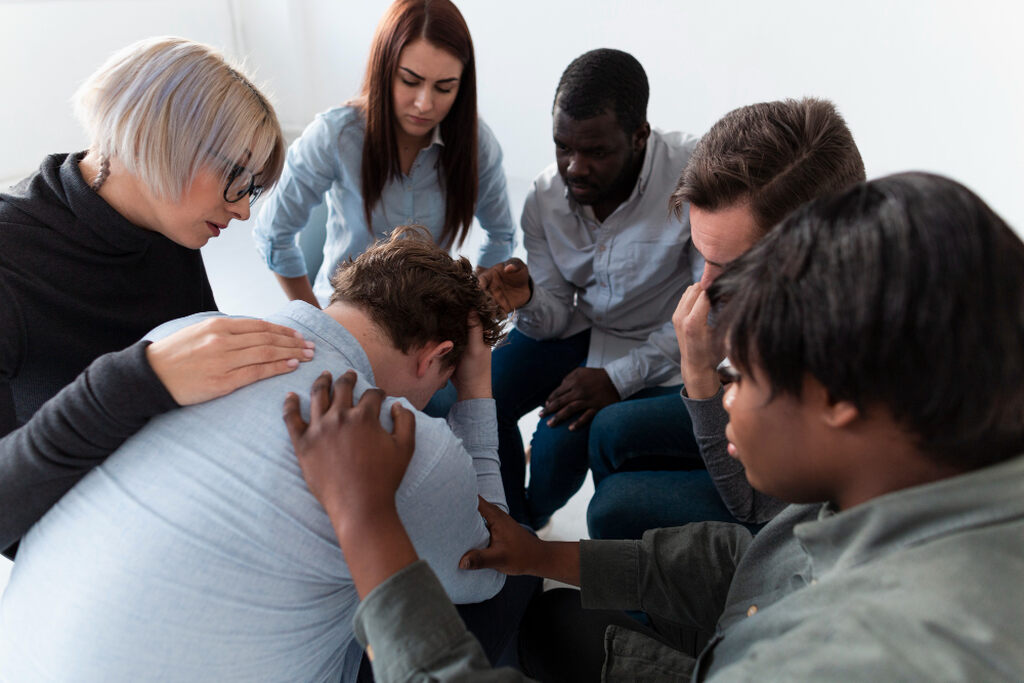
(78, 280)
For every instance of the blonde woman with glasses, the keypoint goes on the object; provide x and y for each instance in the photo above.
(99, 247)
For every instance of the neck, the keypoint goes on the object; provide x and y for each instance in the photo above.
(885, 460)
(121, 190)
(385, 360)
(408, 147)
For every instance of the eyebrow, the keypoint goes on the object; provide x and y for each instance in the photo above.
(416, 75)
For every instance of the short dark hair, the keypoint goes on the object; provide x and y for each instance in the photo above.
(774, 156)
(905, 293)
(416, 293)
(604, 80)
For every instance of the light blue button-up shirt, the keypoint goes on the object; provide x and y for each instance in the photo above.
(196, 552)
(622, 277)
(326, 163)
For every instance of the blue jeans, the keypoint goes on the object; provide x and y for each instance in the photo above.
(648, 472)
(524, 372)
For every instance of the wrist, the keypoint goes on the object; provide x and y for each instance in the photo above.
(700, 383)
(352, 522)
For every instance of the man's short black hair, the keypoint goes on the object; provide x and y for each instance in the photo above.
(904, 293)
(604, 80)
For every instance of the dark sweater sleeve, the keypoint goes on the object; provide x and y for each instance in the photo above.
(743, 501)
(72, 433)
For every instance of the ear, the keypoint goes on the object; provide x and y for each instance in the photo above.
(431, 352)
(834, 414)
(640, 136)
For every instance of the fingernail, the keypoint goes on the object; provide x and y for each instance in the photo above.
(292, 363)
(309, 344)
(308, 353)
(551, 422)
(464, 564)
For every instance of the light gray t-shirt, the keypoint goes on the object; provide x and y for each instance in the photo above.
(196, 552)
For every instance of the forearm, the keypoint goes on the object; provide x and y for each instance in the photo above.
(545, 315)
(298, 288)
(681, 574)
(375, 545)
(413, 632)
(73, 432)
(475, 423)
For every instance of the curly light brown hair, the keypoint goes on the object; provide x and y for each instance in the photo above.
(417, 294)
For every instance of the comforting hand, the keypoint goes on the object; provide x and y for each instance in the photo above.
(351, 463)
(513, 550)
(216, 356)
(472, 376)
(508, 283)
(584, 390)
(698, 355)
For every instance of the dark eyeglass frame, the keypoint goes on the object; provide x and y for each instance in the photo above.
(253, 191)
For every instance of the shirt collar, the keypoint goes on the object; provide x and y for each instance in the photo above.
(435, 137)
(840, 540)
(329, 331)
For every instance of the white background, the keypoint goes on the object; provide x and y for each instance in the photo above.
(934, 85)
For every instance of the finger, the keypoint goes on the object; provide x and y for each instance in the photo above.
(583, 420)
(513, 265)
(565, 413)
(252, 355)
(319, 396)
(343, 388)
(489, 511)
(483, 558)
(689, 296)
(370, 402)
(241, 326)
(270, 340)
(697, 320)
(293, 419)
(405, 429)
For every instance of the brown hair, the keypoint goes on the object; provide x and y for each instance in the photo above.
(440, 23)
(773, 155)
(416, 293)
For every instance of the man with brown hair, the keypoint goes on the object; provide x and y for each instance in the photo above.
(753, 168)
(197, 551)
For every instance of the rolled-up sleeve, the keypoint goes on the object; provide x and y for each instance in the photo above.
(492, 207)
(310, 168)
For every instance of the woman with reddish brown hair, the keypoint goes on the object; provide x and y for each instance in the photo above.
(409, 149)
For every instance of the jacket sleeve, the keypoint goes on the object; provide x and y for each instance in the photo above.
(492, 208)
(72, 433)
(681, 574)
(415, 634)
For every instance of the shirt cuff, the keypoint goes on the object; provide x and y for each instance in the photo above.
(609, 574)
(407, 621)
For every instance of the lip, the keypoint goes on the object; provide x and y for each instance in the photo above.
(731, 447)
(419, 121)
(215, 228)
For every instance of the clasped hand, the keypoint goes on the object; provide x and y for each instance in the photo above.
(583, 392)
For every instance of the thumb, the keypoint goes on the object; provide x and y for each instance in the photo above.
(482, 558)
(405, 429)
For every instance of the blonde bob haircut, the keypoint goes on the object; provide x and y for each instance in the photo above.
(166, 107)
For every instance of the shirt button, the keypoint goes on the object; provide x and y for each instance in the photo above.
(752, 610)
(600, 247)
(814, 582)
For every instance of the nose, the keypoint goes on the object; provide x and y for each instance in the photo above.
(240, 209)
(729, 397)
(424, 100)
(576, 168)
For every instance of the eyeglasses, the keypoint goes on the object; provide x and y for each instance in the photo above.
(242, 183)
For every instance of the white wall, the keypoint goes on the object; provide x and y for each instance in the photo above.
(933, 86)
